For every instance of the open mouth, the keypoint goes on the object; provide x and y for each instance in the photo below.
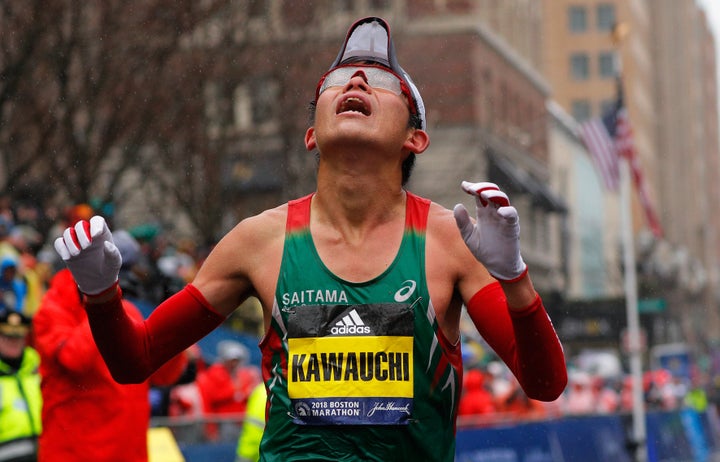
(353, 104)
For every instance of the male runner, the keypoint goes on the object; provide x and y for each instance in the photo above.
(362, 284)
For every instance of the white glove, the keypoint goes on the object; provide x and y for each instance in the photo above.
(90, 254)
(494, 238)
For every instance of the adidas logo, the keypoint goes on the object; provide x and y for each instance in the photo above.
(351, 323)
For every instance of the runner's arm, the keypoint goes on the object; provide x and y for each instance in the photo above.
(133, 349)
(524, 339)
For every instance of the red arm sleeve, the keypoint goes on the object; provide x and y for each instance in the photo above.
(134, 349)
(525, 340)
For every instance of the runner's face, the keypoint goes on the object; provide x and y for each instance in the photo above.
(348, 102)
(378, 77)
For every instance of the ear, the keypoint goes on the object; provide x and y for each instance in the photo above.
(418, 141)
(310, 142)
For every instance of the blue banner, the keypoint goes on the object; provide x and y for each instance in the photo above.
(678, 436)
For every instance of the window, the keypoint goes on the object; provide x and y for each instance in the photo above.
(257, 8)
(579, 66)
(606, 64)
(255, 104)
(242, 107)
(577, 18)
(581, 110)
(215, 109)
(343, 6)
(265, 101)
(379, 4)
(488, 99)
(504, 105)
(605, 16)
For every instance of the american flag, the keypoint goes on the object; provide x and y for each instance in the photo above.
(609, 139)
(599, 142)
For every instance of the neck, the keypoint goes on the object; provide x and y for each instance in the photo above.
(357, 198)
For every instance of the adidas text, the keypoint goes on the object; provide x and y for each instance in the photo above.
(350, 330)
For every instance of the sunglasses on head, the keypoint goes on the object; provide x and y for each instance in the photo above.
(376, 76)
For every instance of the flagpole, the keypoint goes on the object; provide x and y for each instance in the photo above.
(638, 444)
(634, 342)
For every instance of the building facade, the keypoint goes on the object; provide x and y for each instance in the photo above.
(666, 60)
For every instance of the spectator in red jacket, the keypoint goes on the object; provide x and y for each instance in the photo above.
(226, 385)
(476, 399)
(87, 415)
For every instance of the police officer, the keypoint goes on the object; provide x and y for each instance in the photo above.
(20, 398)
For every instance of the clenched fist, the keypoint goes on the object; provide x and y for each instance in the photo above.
(90, 254)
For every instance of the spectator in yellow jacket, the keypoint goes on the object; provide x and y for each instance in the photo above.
(248, 448)
(20, 398)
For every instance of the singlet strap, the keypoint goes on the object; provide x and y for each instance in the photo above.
(416, 215)
(298, 215)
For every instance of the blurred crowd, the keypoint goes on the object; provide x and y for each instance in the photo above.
(155, 264)
(491, 393)
(58, 401)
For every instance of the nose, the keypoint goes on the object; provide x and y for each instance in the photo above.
(358, 80)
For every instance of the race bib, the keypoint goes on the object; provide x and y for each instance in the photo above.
(351, 364)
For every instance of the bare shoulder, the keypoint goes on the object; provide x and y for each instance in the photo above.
(257, 230)
(254, 240)
(443, 229)
(245, 262)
